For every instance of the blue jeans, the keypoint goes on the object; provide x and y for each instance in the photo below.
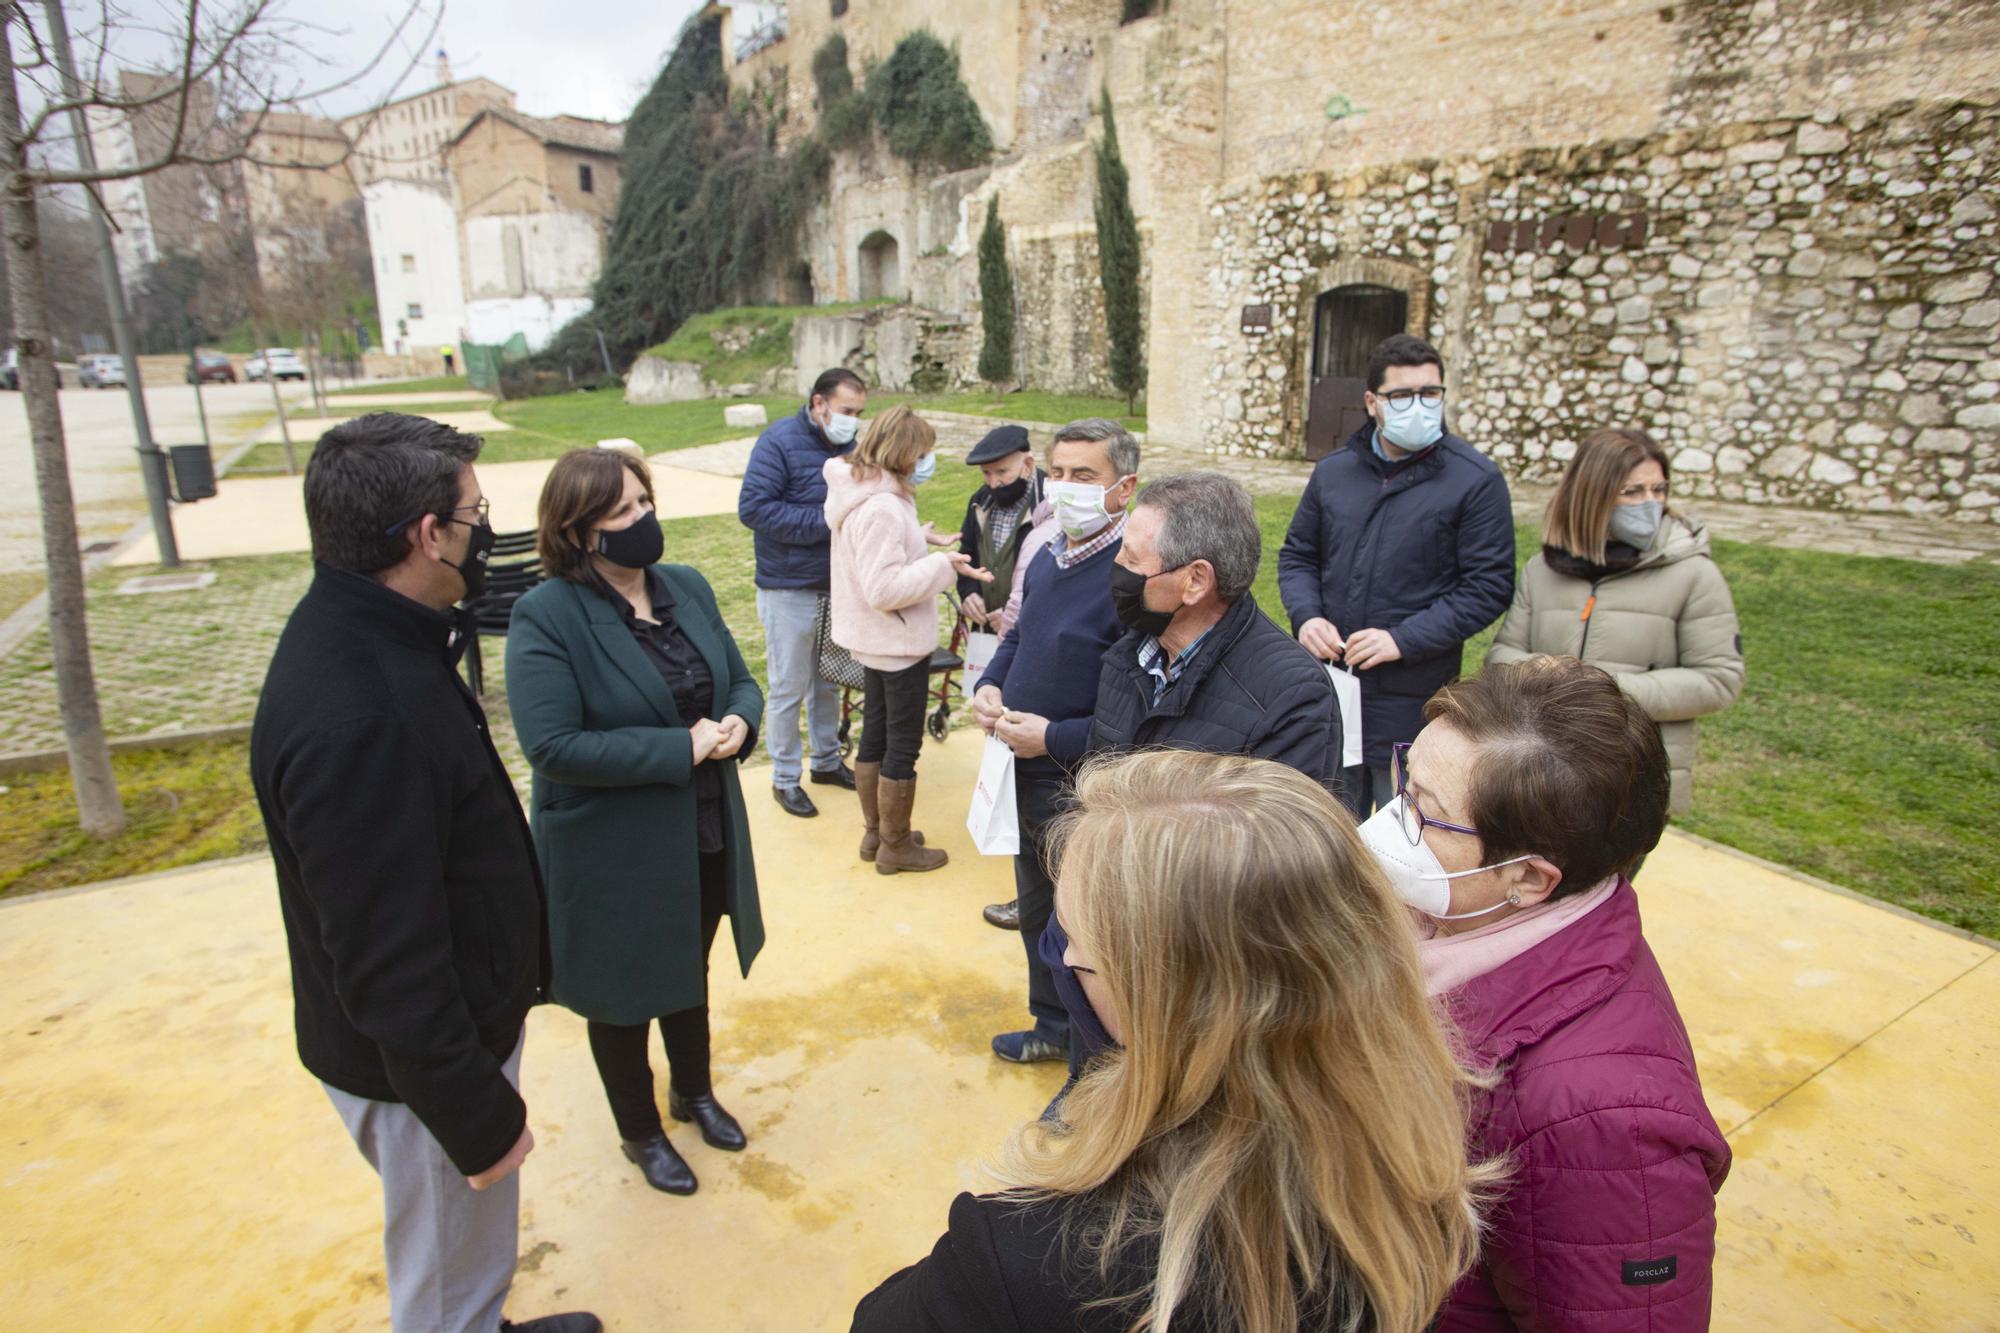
(788, 614)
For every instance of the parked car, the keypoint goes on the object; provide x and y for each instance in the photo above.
(279, 363)
(213, 366)
(102, 371)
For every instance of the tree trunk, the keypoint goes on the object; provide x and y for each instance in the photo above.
(102, 813)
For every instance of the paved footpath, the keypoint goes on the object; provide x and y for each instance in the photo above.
(1852, 1056)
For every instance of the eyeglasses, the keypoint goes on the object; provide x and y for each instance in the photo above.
(1414, 820)
(483, 507)
(1400, 399)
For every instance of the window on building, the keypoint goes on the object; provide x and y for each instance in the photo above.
(414, 310)
(584, 180)
(409, 263)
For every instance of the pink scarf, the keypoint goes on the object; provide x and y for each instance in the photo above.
(1449, 961)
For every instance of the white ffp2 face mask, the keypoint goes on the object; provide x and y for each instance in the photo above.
(1415, 873)
(1080, 508)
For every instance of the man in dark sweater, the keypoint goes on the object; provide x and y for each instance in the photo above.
(412, 903)
(1038, 691)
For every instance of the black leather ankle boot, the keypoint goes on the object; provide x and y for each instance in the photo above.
(718, 1128)
(665, 1170)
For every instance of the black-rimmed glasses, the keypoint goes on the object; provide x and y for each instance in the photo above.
(1414, 820)
(1400, 399)
(482, 506)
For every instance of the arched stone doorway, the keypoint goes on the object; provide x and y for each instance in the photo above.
(796, 286)
(1360, 303)
(881, 267)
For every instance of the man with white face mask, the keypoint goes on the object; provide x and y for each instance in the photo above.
(1039, 690)
(784, 504)
(1401, 549)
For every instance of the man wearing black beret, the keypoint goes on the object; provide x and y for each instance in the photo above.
(997, 521)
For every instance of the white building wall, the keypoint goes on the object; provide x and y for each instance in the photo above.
(125, 200)
(536, 318)
(529, 273)
(413, 235)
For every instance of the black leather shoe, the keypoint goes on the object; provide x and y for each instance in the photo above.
(664, 1169)
(718, 1128)
(843, 776)
(795, 801)
(1007, 916)
(576, 1322)
(1027, 1048)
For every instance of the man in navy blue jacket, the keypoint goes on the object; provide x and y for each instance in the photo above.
(783, 503)
(1401, 549)
(1039, 690)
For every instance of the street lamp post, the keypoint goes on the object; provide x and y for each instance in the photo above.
(152, 458)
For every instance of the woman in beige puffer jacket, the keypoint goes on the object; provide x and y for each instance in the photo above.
(1629, 586)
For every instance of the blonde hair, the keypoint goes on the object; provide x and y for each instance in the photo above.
(1579, 513)
(1285, 1121)
(892, 442)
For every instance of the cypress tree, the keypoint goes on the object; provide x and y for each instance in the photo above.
(996, 301)
(1118, 263)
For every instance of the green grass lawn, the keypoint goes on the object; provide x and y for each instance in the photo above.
(741, 343)
(185, 805)
(270, 455)
(547, 427)
(435, 384)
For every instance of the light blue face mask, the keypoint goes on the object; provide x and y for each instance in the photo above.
(926, 469)
(1636, 524)
(1417, 426)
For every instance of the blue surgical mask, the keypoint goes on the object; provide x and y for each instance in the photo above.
(1417, 426)
(841, 428)
(926, 469)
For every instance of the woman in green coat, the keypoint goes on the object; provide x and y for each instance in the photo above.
(1626, 584)
(633, 706)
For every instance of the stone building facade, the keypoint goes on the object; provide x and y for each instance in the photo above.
(1764, 230)
(536, 195)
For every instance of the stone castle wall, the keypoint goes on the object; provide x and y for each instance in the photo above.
(1810, 315)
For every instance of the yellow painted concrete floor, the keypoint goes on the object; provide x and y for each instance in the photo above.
(167, 1164)
(267, 515)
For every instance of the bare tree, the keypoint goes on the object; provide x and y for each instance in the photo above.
(230, 71)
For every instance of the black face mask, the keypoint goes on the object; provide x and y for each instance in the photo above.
(1128, 599)
(477, 552)
(634, 547)
(1011, 494)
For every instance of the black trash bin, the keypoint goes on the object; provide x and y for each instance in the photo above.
(192, 468)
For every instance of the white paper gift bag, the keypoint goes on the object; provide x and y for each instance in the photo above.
(1347, 689)
(995, 829)
(979, 649)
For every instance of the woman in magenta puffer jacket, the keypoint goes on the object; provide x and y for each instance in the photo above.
(1519, 809)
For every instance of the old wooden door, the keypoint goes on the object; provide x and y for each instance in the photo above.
(1348, 324)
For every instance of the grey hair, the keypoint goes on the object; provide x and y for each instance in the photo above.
(1117, 441)
(1208, 516)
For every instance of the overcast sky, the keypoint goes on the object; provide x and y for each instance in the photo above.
(581, 57)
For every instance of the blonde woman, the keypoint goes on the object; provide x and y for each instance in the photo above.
(1276, 1141)
(1626, 584)
(886, 580)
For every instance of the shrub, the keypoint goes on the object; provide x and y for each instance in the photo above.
(996, 300)
(926, 114)
(1118, 263)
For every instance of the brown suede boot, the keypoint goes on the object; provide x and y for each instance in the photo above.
(866, 776)
(900, 849)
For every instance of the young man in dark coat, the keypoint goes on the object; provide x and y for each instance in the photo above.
(413, 907)
(783, 503)
(1401, 549)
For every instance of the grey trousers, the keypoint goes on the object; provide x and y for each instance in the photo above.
(450, 1249)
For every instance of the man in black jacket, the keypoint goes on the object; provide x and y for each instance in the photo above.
(1401, 549)
(1201, 667)
(412, 902)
